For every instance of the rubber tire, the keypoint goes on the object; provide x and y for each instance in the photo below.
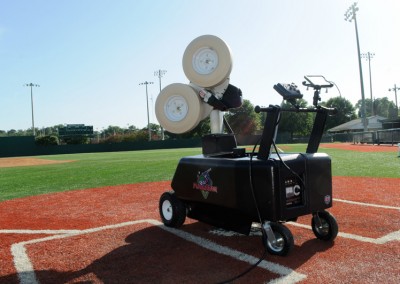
(172, 210)
(168, 114)
(284, 236)
(211, 75)
(330, 227)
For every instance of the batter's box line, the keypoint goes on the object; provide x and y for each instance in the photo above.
(26, 273)
(39, 232)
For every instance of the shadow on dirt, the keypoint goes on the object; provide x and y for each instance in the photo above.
(153, 255)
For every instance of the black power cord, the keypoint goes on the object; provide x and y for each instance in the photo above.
(263, 233)
(247, 270)
(287, 167)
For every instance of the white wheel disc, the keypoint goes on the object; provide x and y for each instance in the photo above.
(176, 108)
(207, 61)
(179, 108)
(166, 209)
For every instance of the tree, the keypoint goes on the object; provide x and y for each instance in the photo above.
(112, 130)
(12, 132)
(295, 123)
(47, 140)
(381, 107)
(392, 111)
(243, 120)
(130, 129)
(368, 109)
(346, 111)
(155, 130)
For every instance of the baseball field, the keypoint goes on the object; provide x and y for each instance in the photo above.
(94, 218)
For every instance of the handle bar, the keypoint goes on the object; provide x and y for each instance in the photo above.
(330, 111)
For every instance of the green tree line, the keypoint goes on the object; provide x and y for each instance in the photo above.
(243, 121)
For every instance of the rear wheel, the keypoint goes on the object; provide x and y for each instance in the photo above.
(324, 226)
(172, 210)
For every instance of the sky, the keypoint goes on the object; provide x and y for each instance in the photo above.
(90, 56)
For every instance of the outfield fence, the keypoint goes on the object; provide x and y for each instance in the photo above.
(25, 146)
(387, 136)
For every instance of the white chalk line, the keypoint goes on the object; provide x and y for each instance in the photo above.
(393, 236)
(39, 232)
(26, 273)
(366, 204)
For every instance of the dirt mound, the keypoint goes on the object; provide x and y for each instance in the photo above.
(21, 162)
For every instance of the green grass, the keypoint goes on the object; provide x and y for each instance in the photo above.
(351, 163)
(90, 170)
(103, 169)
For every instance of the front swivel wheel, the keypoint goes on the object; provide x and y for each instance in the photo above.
(279, 238)
(172, 210)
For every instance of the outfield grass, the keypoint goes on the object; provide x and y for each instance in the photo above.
(90, 170)
(364, 164)
(104, 169)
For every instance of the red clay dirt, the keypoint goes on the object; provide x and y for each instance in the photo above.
(135, 248)
(23, 162)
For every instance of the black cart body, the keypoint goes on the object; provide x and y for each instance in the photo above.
(232, 188)
(217, 188)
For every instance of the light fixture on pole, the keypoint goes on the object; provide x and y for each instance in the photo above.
(395, 89)
(33, 120)
(160, 73)
(368, 56)
(349, 16)
(147, 101)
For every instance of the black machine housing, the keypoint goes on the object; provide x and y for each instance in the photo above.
(230, 188)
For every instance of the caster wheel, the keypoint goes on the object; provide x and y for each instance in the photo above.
(207, 61)
(179, 108)
(326, 228)
(284, 242)
(172, 210)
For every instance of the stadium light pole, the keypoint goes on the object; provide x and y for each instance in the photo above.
(395, 89)
(368, 56)
(147, 101)
(160, 73)
(33, 120)
(349, 16)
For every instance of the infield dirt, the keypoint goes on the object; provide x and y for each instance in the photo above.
(113, 235)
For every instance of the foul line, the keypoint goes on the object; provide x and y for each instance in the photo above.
(394, 236)
(26, 273)
(366, 204)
